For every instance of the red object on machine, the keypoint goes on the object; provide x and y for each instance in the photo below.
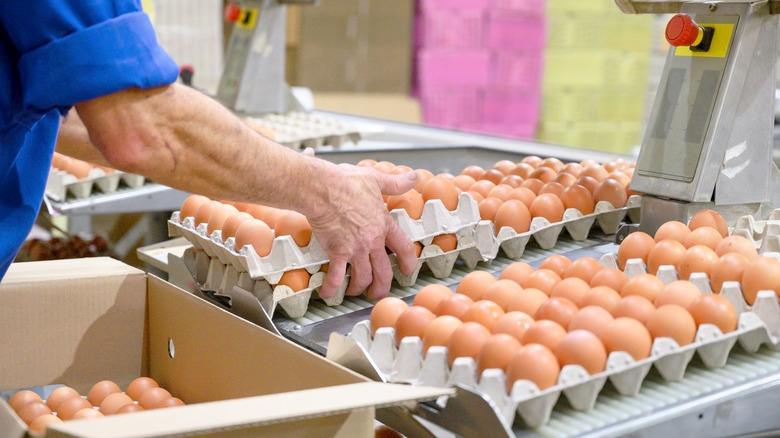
(232, 12)
(683, 31)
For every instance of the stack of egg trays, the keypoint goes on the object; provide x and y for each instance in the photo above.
(228, 268)
(60, 184)
(758, 324)
(298, 130)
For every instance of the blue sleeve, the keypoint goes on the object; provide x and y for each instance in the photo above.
(73, 51)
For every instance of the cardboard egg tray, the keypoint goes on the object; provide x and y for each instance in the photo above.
(757, 324)
(765, 234)
(299, 130)
(60, 185)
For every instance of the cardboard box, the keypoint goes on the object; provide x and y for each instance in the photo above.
(79, 321)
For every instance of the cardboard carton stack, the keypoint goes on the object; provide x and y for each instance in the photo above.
(478, 64)
(597, 66)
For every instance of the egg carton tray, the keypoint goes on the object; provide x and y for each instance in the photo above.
(764, 234)
(758, 324)
(298, 130)
(61, 185)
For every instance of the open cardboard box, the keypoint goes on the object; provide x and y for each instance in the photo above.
(77, 322)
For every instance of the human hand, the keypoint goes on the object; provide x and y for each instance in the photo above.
(356, 228)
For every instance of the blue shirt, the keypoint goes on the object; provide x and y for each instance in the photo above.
(54, 54)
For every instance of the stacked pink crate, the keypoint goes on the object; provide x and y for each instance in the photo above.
(479, 64)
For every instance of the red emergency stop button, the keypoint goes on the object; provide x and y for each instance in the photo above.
(683, 31)
(232, 12)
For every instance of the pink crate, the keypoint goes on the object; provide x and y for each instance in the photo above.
(529, 8)
(451, 107)
(519, 70)
(449, 28)
(508, 107)
(439, 5)
(513, 30)
(443, 68)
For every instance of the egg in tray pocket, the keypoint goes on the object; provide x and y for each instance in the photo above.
(71, 178)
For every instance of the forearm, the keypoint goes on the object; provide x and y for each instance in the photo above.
(181, 138)
(73, 140)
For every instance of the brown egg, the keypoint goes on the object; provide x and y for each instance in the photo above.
(578, 197)
(535, 363)
(431, 295)
(552, 188)
(191, 205)
(126, 409)
(203, 213)
(557, 263)
(295, 279)
(400, 169)
(231, 224)
(501, 191)
(513, 214)
(476, 196)
(417, 249)
(738, 244)
(40, 424)
(447, 242)
(729, 267)
(584, 268)
(483, 312)
(475, 283)
(483, 187)
(572, 169)
(384, 166)
(513, 181)
(517, 272)
(762, 273)
(595, 171)
(548, 206)
(706, 236)
(674, 322)
(466, 341)
(492, 175)
(496, 352)
(697, 258)
(454, 305)
(543, 174)
(636, 245)
(534, 160)
(116, 400)
(425, 176)
(714, 309)
(502, 292)
(411, 202)
(87, 413)
(565, 179)
(620, 177)
(528, 301)
(634, 306)
(533, 185)
(553, 163)
(442, 189)
(611, 191)
(464, 182)
(152, 397)
(101, 390)
(572, 288)
(680, 292)
(629, 335)
(68, 408)
(505, 166)
(588, 182)
(558, 309)
(366, 162)
(139, 385)
(78, 168)
(610, 277)
(412, 322)
(545, 332)
(32, 410)
(591, 318)
(542, 279)
(523, 170)
(513, 324)
(666, 252)
(21, 398)
(581, 347)
(170, 402)
(59, 395)
(601, 296)
(439, 330)
(386, 312)
(709, 218)
(295, 225)
(473, 171)
(218, 217)
(524, 195)
(645, 285)
(256, 233)
(674, 230)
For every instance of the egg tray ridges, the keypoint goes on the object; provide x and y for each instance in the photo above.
(476, 243)
(60, 184)
(298, 130)
(758, 324)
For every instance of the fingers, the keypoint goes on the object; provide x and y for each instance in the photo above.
(396, 184)
(382, 273)
(333, 279)
(309, 152)
(361, 276)
(402, 246)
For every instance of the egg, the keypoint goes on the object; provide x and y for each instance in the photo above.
(629, 335)
(442, 189)
(513, 324)
(68, 408)
(513, 181)
(231, 224)
(412, 322)
(21, 398)
(578, 197)
(706, 236)
(524, 195)
(447, 242)
(545, 332)
(400, 169)
(439, 330)
(636, 245)
(496, 352)
(170, 402)
(516, 271)
(535, 363)
(565, 180)
(425, 175)
(543, 174)
(762, 273)
(697, 258)
(556, 263)
(483, 187)
(505, 166)
(591, 318)
(126, 409)
(674, 322)
(513, 214)
(548, 206)
(475, 283)
(488, 208)
(295, 225)
(611, 277)
(87, 413)
(601, 296)
(572, 169)
(581, 347)
(256, 233)
(32, 410)
(152, 397)
(714, 309)
(466, 341)
(40, 424)
(101, 390)
(674, 230)
(729, 267)
(553, 188)
(386, 312)
(572, 288)
(116, 400)
(501, 191)
(492, 175)
(384, 166)
(218, 217)
(463, 182)
(203, 213)
(295, 279)
(588, 182)
(454, 305)
(366, 162)
(634, 306)
(139, 385)
(473, 171)
(483, 312)
(476, 196)
(667, 252)
(595, 171)
(558, 309)
(532, 184)
(645, 285)
(522, 170)
(431, 295)
(709, 218)
(411, 202)
(78, 168)
(584, 268)
(611, 191)
(59, 395)
(680, 292)
(191, 205)
(502, 292)
(737, 244)
(528, 301)
(542, 279)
